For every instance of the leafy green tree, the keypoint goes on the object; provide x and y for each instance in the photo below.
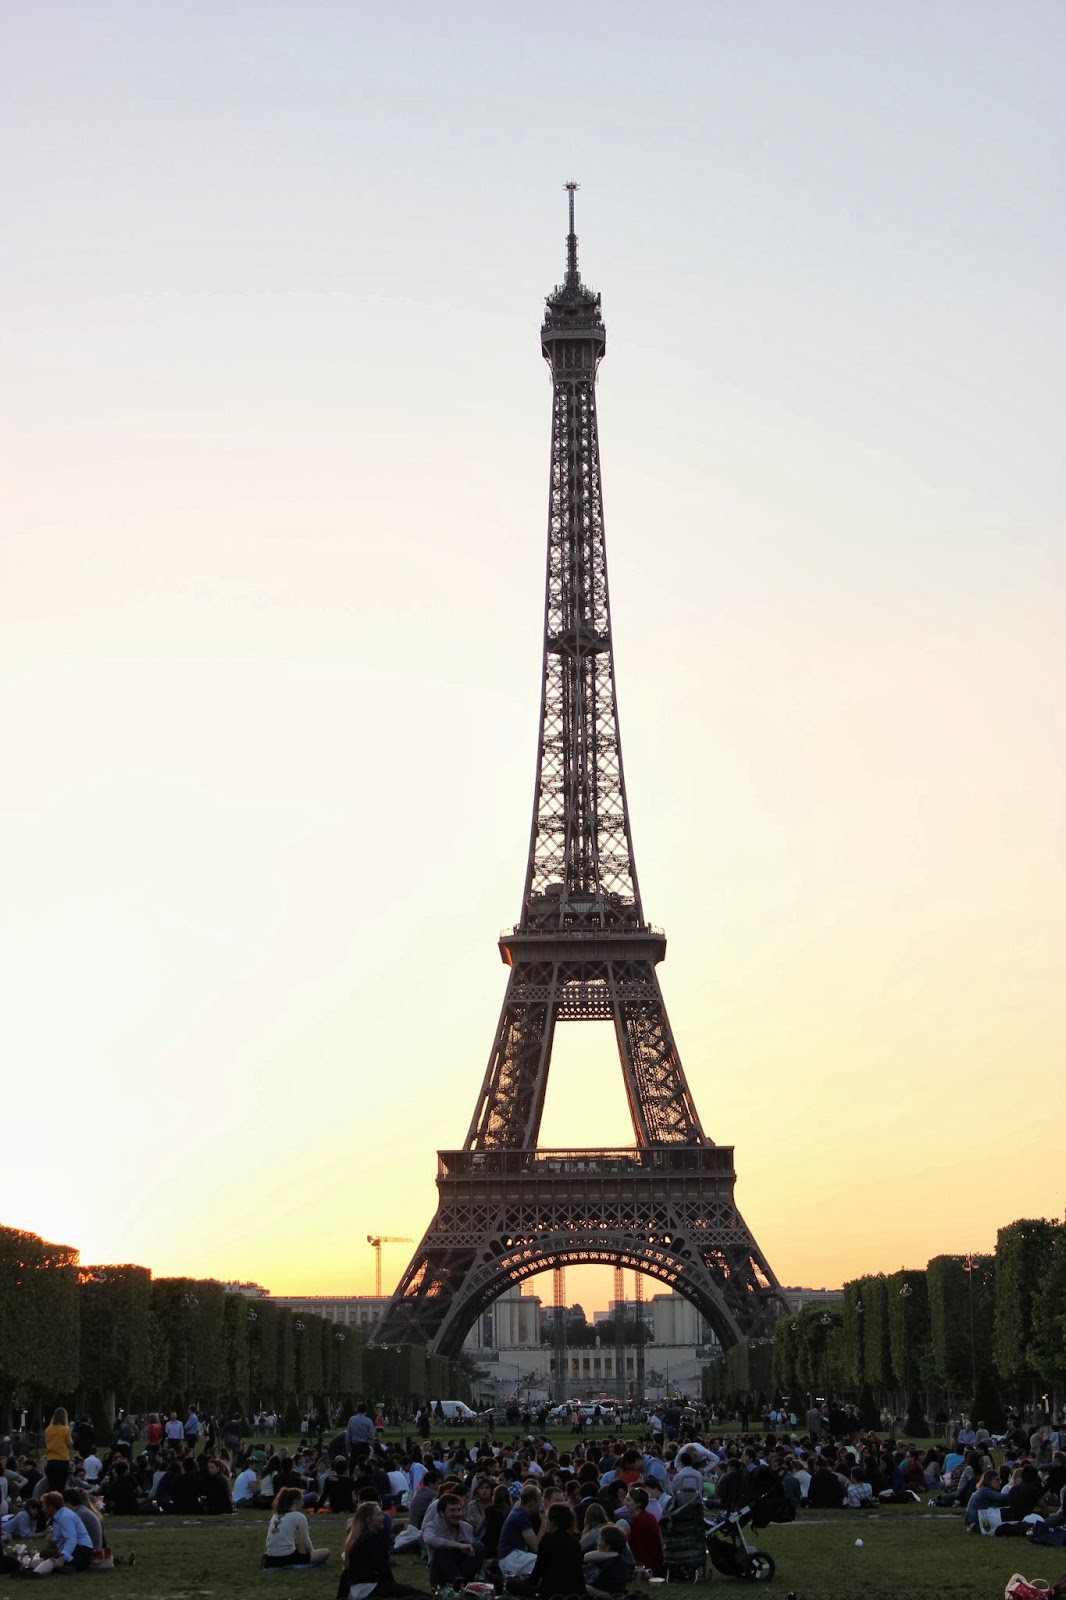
(39, 1317)
(961, 1299)
(784, 1375)
(307, 1352)
(236, 1349)
(908, 1328)
(852, 1356)
(264, 1353)
(1023, 1251)
(284, 1386)
(116, 1344)
(876, 1353)
(1047, 1344)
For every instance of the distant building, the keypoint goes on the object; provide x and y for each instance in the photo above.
(511, 1322)
(350, 1310)
(517, 1362)
(798, 1298)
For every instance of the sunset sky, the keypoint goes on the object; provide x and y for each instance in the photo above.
(275, 446)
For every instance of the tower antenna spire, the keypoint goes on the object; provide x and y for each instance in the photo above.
(572, 275)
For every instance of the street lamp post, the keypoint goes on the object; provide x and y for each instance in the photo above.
(250, 1319)
(905, 1293)
(826, 1321)
(970, 1269)
(338, 1339)
(298, 1362)
(188, 1303)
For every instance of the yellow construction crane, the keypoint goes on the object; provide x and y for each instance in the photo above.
(377, 1240)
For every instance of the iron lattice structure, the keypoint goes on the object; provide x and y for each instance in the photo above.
(581, 950)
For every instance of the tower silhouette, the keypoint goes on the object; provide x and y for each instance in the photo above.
(581, 950)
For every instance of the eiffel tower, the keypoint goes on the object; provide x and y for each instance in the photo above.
(580, 951)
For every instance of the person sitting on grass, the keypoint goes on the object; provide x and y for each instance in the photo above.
(595, 1519)
(337, 1489)
(455, 1556)
(71, 1538)
(78, 1501)
(963, 1482)
(288, 1540)
(245, 1487)
(645, 1540)
(121, 1496)
(858, 1493)
(366, 1557)
(989, 1492)
(217, 1499)
(25, 1523)
(825, 1491)
(517, 1549)
(559, 1566)
(606, 1567)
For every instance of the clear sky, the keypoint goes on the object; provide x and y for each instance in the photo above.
(275, 443)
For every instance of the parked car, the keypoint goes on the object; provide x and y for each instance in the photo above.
(457, 1411)
(494, 1416)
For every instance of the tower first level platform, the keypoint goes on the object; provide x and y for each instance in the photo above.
(506, 1214)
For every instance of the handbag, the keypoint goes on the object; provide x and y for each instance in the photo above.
(102, 1560)
(989, 1519)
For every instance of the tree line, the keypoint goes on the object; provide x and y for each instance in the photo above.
(972, 1333)
(115, 1337)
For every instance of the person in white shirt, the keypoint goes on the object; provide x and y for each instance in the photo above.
(174, 1429)
(93, 1467)
(288, 1540)
(655, 1504)
(245, 1486)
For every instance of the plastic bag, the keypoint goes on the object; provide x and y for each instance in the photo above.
(1020, 1587)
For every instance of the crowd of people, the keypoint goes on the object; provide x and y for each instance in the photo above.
(522, 1515)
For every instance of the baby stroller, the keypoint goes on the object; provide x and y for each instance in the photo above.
(684, 1534)
(730, 1552)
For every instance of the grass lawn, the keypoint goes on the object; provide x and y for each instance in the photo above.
(907, 1551)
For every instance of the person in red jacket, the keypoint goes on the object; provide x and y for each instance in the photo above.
(645, 1540)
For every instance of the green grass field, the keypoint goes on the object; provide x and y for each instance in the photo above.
(908, 1553)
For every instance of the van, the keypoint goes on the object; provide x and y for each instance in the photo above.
(457, 1411)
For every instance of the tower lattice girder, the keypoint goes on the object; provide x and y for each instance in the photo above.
(581, 951)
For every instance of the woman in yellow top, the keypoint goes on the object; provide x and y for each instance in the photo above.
(58, 1444)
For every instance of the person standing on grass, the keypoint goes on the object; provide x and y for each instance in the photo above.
(288, 1541)
(58, 1444)
(360, 1435)
(191, 1429)
(231, 1436)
